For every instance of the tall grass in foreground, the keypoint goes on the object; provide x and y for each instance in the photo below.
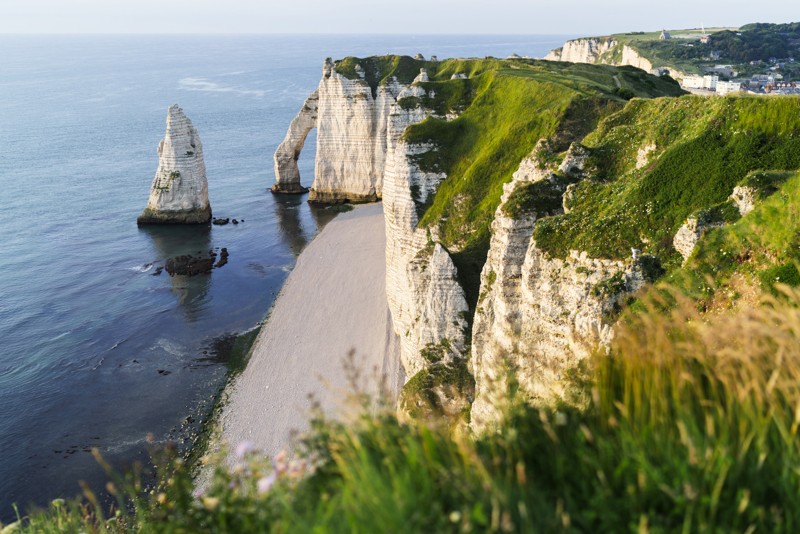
(692, 426)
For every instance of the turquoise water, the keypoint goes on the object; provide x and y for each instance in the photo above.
(96, 351)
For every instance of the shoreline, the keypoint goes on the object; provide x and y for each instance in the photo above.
(330, 322)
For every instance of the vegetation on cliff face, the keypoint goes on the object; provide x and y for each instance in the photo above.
(691, 424)
(754, 255)
(700, 149)
(504, 107)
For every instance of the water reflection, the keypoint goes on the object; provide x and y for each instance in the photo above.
(322, 215)
(287, 212)
(170, 241)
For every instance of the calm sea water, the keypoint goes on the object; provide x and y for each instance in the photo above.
(95, 350)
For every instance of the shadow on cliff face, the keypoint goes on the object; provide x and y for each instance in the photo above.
(170, 241)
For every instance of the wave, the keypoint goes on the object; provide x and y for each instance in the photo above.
(141, 268)
(207, 86)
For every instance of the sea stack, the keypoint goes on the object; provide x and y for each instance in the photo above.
(179, 194)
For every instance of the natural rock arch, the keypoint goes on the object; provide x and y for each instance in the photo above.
(287, 174)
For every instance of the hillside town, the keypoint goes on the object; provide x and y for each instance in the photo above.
(754, 77)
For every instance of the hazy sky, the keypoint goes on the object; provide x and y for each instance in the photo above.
(377, 16)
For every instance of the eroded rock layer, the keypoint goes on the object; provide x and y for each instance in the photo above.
(179, 194)
(538, 316)
(287, 174)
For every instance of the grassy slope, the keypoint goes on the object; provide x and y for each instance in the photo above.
(506, 107)
(759, 251)
(704, 148)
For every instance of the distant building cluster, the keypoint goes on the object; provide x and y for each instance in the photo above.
(711, 82)
(764, 84)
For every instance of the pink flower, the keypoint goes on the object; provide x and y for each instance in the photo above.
(265, 484)
(243, 448)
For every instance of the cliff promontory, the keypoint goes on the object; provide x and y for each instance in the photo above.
(179, 194)
(527, 203)
(420, 136)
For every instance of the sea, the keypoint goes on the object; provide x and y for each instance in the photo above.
(98, 350)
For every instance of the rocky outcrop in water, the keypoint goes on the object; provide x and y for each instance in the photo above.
(351, 119)
(287, 175)
(179, 194)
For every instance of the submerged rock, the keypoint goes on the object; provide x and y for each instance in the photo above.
(188, 265)
(179, 194)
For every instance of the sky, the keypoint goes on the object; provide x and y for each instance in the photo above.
(579, 17)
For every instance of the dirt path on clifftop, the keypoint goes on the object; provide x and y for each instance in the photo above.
(334, 301)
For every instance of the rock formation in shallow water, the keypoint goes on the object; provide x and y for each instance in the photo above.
(179, 194)
(287, 175)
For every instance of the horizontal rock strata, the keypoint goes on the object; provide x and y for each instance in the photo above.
(179, 194)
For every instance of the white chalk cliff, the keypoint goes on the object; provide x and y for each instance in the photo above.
(427, 303)
(582, 50)
(351, 124)
(361, 155)
(538, 317)
(179, 194)
(287, 174)
(607, 50)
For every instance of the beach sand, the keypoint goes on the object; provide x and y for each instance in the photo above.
(333, 302)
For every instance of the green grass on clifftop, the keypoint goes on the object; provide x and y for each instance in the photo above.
(701, 149)
(504, 108)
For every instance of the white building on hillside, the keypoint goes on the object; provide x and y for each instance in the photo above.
(692, 82)
(723, 88)
(708, 82)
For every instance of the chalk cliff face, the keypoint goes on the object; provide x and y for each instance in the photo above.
(601, 50)
(351, 137)
(179, 194)
(538, 316)
(351, 121)
(427, 303)
(362, 156)
(287, 175)
(582, 50)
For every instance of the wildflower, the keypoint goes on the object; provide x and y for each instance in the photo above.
(279, 463)
(57, 503)
(243, 448)
(210, 502)
(455, 516)
(265, 484)
(162, 498)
